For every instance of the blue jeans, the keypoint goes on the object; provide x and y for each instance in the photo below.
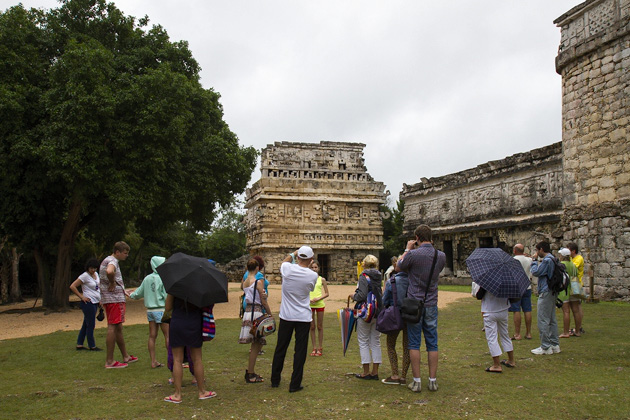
(427, 326)
(89, 322)
(547, 324)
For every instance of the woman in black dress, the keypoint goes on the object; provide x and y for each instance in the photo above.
(185, 330)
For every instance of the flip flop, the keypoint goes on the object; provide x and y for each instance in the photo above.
(172, 400)
(514, 338)
(565, 335)
(507, 363)
(158, 365)
(131, 359)
(210, 394)
(493, 371)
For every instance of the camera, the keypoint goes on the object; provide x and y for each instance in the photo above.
(558, 303)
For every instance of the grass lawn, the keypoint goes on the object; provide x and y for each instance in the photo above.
(44, 377)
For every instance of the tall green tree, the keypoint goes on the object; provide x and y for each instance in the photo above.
(103, 122)
(393, 241)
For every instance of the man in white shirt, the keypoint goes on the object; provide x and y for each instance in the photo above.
(298, 280)
(526, 300)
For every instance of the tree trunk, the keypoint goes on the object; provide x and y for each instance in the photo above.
(42, 276)
(4, 275)
(16, 293)
(4, 281)
(62, 280)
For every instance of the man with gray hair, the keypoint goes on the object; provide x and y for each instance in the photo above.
(526, 300)
(298, 280)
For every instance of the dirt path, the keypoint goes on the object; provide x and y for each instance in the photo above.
(19, 320)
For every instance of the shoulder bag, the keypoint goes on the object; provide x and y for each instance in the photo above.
(412, 309)
(264, 324)
(390, 320)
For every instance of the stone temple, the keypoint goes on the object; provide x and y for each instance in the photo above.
(577, 190)
(316, 194)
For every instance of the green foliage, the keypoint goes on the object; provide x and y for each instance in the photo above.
(393, 241)
(227, 239)
(588, 379)
(102, 118)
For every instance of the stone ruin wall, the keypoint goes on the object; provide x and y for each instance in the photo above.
(594, 62)
(500, 203)
(316, 194)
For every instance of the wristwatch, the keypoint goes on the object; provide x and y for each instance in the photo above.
(407, 250)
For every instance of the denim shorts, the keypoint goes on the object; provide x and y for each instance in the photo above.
(525, 303)
(155, 316)
(427, 326)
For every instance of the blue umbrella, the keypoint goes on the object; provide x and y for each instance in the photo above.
(497, 272)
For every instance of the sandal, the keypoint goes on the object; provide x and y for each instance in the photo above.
(507, 363)
(210, 394)
(314, 352)
(565, 335)
(252, 378)
(318, 352)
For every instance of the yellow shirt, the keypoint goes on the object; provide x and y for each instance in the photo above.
(318, 291)
(579, 263)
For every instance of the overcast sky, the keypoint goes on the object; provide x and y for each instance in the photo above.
(430, 87)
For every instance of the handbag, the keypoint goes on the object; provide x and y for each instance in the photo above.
(101, 315)
(208, 327)
(412, 309)
(264, 324)
(390, 320)
(577, 290)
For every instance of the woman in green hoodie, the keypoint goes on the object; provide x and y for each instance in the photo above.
(154, 294)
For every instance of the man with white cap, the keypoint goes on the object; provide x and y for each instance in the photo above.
(298, 280)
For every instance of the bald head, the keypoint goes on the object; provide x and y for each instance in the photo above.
(518, 249)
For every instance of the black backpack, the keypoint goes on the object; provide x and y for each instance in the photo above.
(559, 280)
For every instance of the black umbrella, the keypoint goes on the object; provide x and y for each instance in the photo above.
(194, 280)
(497, 272)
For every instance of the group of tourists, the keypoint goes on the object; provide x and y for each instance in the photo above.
(541, 264)
(413, 276)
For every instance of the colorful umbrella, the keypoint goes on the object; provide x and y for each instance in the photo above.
(346, 320)
(497, 272)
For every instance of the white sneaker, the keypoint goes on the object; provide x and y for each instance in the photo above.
(555, 349)
(415, 386)
(540, 350)
(433, 386)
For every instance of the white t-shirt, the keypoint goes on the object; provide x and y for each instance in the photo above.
(491, 303)
(297, 284)
(526, 263)
(90, 287)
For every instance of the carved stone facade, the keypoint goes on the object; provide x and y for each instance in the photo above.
(594, 62)
(574, 191)
(497, 204)
(316, 194)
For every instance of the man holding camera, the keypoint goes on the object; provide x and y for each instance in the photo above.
(417, 261)
(547, 324)
(298, 281)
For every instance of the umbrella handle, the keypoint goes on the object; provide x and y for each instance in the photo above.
(348, 306)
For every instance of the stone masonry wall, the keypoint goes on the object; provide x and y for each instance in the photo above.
(497, 204)
(594, 62)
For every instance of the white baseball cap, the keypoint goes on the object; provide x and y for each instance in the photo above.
(305, 252)
(564, 251)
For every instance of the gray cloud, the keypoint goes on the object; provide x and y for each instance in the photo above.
(430, 87)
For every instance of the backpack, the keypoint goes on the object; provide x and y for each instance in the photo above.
(371, 307)
(559, 280)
